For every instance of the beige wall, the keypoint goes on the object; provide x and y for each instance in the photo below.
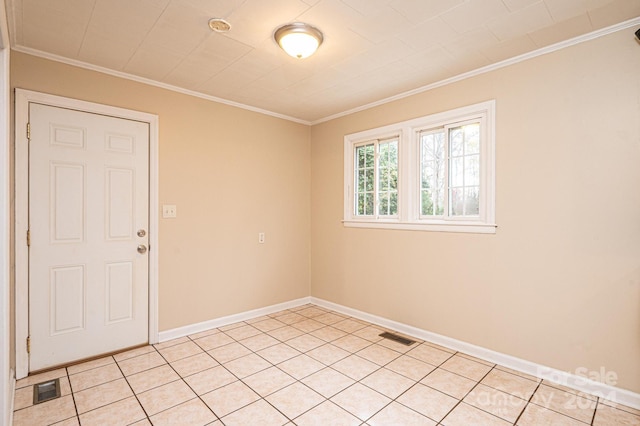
(232, 173)
(559, 283)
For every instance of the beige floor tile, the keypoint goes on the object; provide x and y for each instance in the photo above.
(410, 367)
(355, 367)
(257, 319)
(182, 350)
(327, 414)
(329, 318)
(149, 379)
(256, 413)
(171, 342)
(308, 325)
(141, 363)
(388, 383)
(208, 380)
(45, 413)
(232, 326)
(328, 334)
(465, 367)
(361, 401)
(285, 334)
(498, 403)
(230, 398)
(226, 353)
(144, 422)
(42, 377)
(480, 360)
(192, 413)
(427, 401)
(290, 318)
(351, 343)
(301, 366)
(23, 397)
(378, 354)
(449, 383)
(510, 383)
(312, 311)
(535, 415)
(134, 352)
(194, 364)
(101, 395)
(328, 382)
(269, 381)
(370, 333)
(243, 332)
(124, 412)
(259, 342)
(464, 415)
(213, 341)
(349, 325)
(618, 406)
(94, 377)
(566, 403)
(328, 354)
(398, 414)
(609, 416)
(204, 333)
(561, 387)
(89, 365)
(305, 343)
(73, 421)
(165, 396)
(247, 365)
(294, 400)
(278, 353)
(268, 324)
(518, 373)
(429, 354)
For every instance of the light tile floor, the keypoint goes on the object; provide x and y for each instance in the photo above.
(305, 366)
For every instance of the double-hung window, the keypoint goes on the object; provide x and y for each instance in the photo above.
(376, 178)
(432, 173)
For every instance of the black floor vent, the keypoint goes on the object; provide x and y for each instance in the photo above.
(46, 391)
(397, 338)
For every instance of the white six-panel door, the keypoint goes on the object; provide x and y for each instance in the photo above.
(88, 221)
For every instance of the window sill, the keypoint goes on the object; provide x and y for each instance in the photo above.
(460, 227)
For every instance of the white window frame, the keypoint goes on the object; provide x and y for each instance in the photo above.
(409, 214)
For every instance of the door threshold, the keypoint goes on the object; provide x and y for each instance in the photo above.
(83, 360)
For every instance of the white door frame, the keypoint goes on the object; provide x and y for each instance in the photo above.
(23, 98)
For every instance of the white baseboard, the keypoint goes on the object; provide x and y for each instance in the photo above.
(573, 381)
(175, 333)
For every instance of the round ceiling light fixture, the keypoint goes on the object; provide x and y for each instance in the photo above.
(219, 25)
(298, 39)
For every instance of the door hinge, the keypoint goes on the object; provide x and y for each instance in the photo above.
(29, 131)
(28, 238)
(28, 344)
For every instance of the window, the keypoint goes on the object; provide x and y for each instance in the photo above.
(376, 178)
(432, 173)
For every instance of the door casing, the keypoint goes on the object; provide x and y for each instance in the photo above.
(22, 100)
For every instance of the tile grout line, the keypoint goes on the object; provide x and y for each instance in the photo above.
(73, 395)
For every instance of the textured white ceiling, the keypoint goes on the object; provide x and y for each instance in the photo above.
(373, 49)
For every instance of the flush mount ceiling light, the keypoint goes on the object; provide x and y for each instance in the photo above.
(219, 25)
(298, 39)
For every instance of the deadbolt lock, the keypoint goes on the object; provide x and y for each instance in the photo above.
(141, 233)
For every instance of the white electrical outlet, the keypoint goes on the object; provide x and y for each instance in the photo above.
(261, 237)
(169, 210)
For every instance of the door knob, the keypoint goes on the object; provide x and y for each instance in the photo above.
(142, 249)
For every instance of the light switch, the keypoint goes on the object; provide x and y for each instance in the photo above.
(169, 210)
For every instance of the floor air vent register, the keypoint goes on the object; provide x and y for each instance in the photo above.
(396, 338)
(46, 391)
